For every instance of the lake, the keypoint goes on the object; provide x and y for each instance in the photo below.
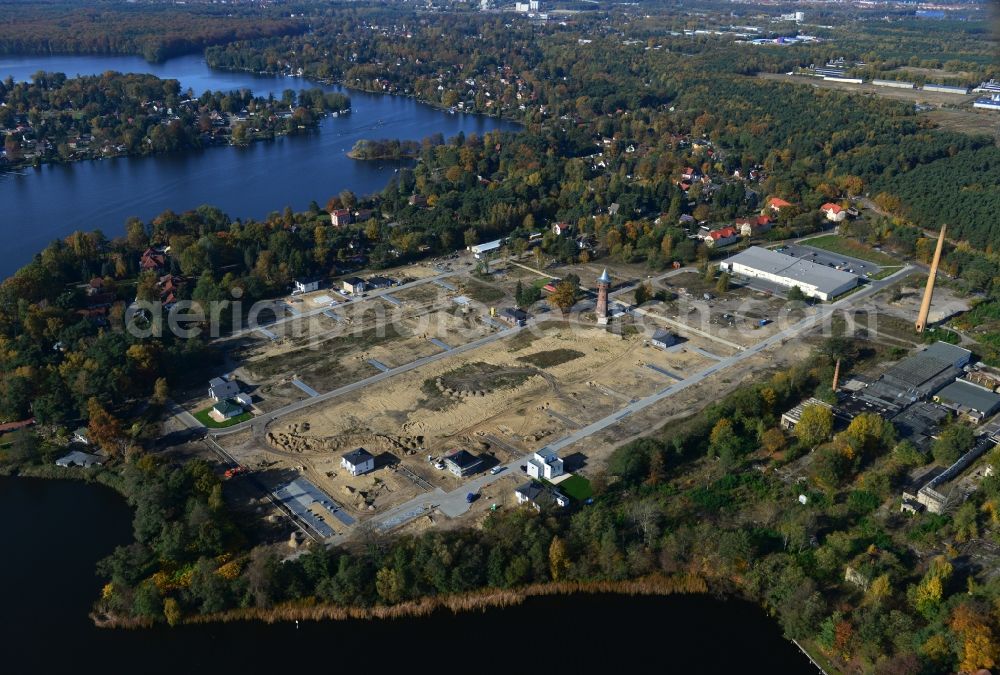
(55, 531)
(43, 204)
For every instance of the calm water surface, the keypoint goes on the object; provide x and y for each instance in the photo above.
(39, 205)
(55, 531)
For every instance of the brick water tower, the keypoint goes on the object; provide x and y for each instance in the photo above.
(603, 285)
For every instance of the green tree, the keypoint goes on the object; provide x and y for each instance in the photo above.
(722, 285)
(953, 442)
(815, 425)
(564, 297)
(795, 294)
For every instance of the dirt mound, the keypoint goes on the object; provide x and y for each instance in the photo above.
(376, 443)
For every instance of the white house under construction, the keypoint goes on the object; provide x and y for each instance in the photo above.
(817, 281)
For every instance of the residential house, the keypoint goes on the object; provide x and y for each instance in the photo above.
(225, 410)
(545, 463)
(244, 400)
(154, 259)
(662, 339)
(753, 226)
(540, 495)
(418, 200)
(463, 463)
(83, 460)
(833, 212)
(560, 229)
(340, 217)
(169, 286)
(722, 237)
(514, 316)
(377, 281)
(358, 462)
(690, 174)
(81, 436)
(220, 389)
(777, 203)
(305, 285)
(353, 285)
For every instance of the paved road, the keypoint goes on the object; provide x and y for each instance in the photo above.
(454, 503)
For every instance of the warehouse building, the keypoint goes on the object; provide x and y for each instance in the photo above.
(946, 89)
(899, 84)
(920, 376)
(988, 102)
(816, 281)
(975, 402)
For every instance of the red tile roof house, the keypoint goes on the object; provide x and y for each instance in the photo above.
(722, 237)
(152, 260)
(340, 217)
(777, 203)
(752, 226)
(833, 212)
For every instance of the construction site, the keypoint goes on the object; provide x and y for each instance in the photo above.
(449, 391)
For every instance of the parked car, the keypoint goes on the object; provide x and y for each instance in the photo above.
(497, 469)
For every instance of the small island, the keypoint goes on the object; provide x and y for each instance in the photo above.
(385, 149)
(54, 118)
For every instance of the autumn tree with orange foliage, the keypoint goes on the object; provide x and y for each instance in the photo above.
(974, 626)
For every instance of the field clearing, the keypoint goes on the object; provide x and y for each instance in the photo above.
(973, 122)
(936, 98)
(850, 248)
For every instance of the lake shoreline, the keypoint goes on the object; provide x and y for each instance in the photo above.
(482, 600)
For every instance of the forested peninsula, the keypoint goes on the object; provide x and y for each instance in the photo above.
(53, 118)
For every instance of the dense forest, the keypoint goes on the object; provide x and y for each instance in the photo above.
(54, 118)
(155, 32)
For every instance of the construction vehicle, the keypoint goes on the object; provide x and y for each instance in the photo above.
(234, 471)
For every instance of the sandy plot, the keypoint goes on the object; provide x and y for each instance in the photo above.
(278, 394)
(483, 385)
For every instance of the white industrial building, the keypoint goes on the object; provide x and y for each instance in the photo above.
(899, 84)
(946, 89)
(482, 250)
(988, 102)
(816, 281)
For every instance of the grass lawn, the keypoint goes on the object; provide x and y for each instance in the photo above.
(481, 292)
(576, 487)
(202, 416)
(885, 272)
(851, 248)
